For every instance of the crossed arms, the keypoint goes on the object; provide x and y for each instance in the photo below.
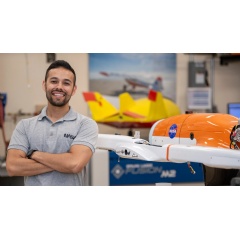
(17, 163)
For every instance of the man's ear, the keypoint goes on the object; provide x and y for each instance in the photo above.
(74, 90)
(44, 85)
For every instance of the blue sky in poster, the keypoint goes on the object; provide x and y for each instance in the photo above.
(151, 63)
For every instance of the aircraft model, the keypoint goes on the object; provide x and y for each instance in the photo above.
(212, 139)
(140, 113)
(134, 82)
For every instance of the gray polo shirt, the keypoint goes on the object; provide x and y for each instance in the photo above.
(39, 133)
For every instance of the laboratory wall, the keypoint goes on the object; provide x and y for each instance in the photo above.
(22, 74)
(224, 80)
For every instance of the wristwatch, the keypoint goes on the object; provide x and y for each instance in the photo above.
(31, 153)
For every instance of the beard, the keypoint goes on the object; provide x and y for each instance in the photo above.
(57, 102)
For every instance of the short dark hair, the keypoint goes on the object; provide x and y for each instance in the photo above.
(58, 64)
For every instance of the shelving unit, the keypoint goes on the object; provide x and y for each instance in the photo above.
(225, 59)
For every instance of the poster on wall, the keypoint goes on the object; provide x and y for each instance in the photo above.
(136, 73)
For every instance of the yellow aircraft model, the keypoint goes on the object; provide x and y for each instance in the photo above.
(140, 113)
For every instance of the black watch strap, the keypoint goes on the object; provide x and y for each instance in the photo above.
(31, 153)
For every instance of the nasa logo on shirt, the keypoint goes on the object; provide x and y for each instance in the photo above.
(172, 131)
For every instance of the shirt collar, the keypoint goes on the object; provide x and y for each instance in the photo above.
(71, 115)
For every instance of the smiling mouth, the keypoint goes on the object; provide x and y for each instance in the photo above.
(58, 94)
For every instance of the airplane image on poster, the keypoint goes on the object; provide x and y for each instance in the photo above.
(136, 73)
(134, 82)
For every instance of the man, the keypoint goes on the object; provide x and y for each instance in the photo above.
(54, 147)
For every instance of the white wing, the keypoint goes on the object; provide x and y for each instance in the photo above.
(140, 149)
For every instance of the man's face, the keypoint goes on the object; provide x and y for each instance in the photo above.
(59, 86)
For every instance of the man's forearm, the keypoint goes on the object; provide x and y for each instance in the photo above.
(72, 162)
(59, 162)
(26, 167)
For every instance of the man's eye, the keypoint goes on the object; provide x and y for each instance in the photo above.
(67, 83)
(53, 81)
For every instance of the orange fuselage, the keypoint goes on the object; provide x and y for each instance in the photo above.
(207, 129)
